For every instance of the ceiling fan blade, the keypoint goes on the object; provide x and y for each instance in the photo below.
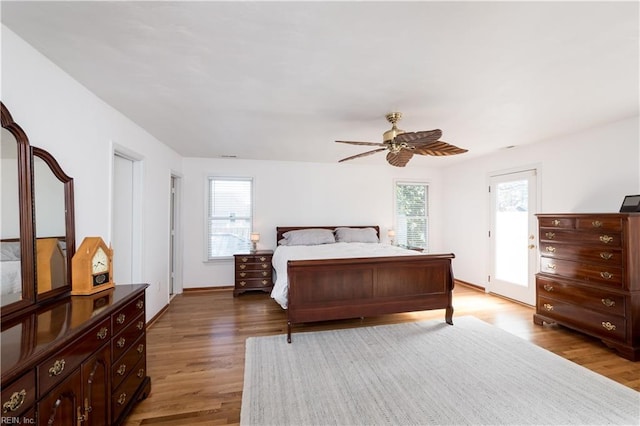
(399, 159)
(362, 143)
(364, 154)
(424, 136)
(437, 149)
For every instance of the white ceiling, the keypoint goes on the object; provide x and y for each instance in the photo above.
(283, 80)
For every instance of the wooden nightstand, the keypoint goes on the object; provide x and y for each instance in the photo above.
(253, 271)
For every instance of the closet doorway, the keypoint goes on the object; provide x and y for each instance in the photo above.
(513, 235)
(126, 234)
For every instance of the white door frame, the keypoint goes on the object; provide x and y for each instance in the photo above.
(492, 286)
(137, 207)
(177, 248)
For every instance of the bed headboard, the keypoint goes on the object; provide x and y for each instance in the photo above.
(282, 229)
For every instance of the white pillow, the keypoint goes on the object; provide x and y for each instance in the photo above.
(308, 237)
(356, 235)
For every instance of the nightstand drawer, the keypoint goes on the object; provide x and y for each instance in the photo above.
(253, 272)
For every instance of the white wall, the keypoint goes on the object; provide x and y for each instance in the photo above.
(79, 130)
(296, 193)
(584, 172)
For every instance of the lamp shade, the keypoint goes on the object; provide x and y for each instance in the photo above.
(255, 237)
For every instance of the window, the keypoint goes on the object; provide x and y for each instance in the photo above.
(412, 215)
(230, 211)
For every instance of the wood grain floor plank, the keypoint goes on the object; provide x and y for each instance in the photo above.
(196, 349)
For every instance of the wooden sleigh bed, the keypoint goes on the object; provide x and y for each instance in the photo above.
(332, 289)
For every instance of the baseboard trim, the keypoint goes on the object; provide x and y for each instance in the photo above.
(199, 289)
(157, 316)
(471, 285)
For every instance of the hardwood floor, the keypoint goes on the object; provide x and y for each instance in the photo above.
(195, 350)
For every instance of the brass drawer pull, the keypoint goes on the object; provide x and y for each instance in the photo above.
(140, 325)
(550, 235)
(606, 275)
(140, 373)
(265, 273)
(262, 259)
(243, 266)
(243, 283)
(57, 368)
(122, 369)
(121, 318)
(548, 287)
(264, 282)
(140, 348)
(550, 249)
(243, 274)
(16, 400)
(555, 222)
(122, 398)
(121, 341)
(548, 307)
(244, 259)
(608, 326)
(102, 334)
(596, 224)
(551, 266)
(140, 304)
(606, 239)
(265, 265)
(606, 255)
(608, 303)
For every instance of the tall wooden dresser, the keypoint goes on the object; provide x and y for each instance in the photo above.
(78, 361)
(589, 277)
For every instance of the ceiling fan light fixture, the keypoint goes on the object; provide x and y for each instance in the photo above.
(401, 145)
(390, 135)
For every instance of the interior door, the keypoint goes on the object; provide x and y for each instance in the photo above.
(513, 235)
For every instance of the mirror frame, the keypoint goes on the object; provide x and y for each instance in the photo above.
(26, 152)
(25, 199)
(69, 216)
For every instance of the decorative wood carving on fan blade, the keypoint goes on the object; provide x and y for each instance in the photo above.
(364, 154)
(424, 136)
(438, 148)
(399, 159)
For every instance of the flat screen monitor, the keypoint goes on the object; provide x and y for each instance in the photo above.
(631, 203)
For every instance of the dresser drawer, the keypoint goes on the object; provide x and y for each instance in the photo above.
(246, 275)
(122, 367)
(122, 318)
(262, 266)
(253, 258)
(606, 302)
(605, 255)
(56, 368)
(597, 323)
(600, 223)
(595, 273)
(557, 222)
(123, 341)
(603, 239)
(19, 395)
(254, 283)
(122, 394)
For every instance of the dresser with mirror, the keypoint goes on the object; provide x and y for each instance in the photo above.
(65, 359)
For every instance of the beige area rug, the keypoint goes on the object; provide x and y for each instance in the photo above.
(423, 373)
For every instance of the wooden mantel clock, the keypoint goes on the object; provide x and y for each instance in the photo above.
(91, 267)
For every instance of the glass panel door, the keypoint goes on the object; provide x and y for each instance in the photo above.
(513, 235)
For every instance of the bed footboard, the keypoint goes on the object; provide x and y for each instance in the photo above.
(330, 289)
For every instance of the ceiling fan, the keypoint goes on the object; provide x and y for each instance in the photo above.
(403, 145)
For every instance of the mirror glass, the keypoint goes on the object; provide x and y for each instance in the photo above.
(51, 235)
(10, 263)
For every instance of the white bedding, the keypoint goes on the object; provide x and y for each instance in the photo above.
(283, 254)
(10, 278)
